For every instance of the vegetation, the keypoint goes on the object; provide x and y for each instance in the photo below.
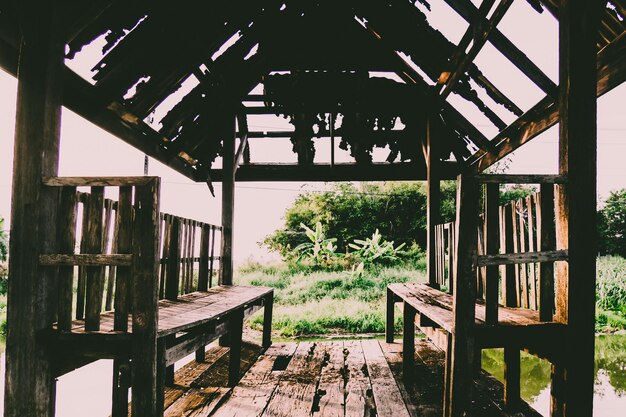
(4, 243)
(322, 302)
(611, 293)
(349, 212)
(612, 225)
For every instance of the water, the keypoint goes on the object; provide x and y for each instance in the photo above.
(610, 379)
(87, 391)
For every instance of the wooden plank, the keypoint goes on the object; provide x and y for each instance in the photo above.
(96, 181)
(165, 250)
(460, 381)
(531, 248)
(86, 259)
(251, 396)
(359, 398)
(67, 240)
(212, 257)
(520, 179)
(298, 385)
(523, 258)
(197, 402)
(390, 316)
(330, 390)
(510, 289)
(30, 386)
(95, 274)
(400, 171)
(108, 303)
(547, 235)
(235, 331)
(408, 339)
(393, 356)
(144, 299)
(268, 308)
(578, 27)
(492, 246)
(82, 271)
(389, 402)
(124, 243)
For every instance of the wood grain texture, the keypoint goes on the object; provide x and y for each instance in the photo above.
(97, 181)
(85, 259)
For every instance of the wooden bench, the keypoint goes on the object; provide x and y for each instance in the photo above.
(433, 309)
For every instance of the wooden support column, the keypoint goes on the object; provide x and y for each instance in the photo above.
(145, 300)
(29, 382)
(576, 216)
(228, 206)
(492, 219)
(460, 356)
(433, 216)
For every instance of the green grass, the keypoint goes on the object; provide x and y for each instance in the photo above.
(317, 302)
(611, 293)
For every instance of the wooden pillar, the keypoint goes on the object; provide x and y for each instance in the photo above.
(433, 201)
(228, 206)
(390, 317)
(492, 244)
(145, 300)
(460, 356)
(29, 383)
(576, 217)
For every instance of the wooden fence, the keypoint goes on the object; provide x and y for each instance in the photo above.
(189, 253)
(519, 226)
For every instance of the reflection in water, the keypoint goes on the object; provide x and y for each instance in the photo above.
(610, 382)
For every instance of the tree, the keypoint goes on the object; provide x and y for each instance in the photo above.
(612, 224)
(348, 212)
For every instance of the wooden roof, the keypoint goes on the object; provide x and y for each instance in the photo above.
(313, 58)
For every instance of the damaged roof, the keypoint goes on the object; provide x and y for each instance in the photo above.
(171, 77)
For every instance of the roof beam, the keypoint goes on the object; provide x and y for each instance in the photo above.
(468, 11)
(545, 114)
(338, 172)
(478, 32)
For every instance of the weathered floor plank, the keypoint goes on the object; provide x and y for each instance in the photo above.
(330, 391)
(389, 402)
(358, 390)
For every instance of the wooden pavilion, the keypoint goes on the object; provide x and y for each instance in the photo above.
(314, 60)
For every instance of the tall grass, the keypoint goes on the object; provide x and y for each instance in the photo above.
(315, 302)
(611, 293)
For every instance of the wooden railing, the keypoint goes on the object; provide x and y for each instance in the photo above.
(525, 232)
(101, 237)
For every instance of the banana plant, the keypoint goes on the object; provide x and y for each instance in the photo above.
(319, 249)
(375, 249)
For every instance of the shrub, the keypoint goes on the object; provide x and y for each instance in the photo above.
(612, 225)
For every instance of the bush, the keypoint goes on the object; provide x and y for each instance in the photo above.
(4, 242)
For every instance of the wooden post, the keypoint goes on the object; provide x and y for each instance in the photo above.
(95, 274)
(545, 220)
(408, 341)
(268, 308)
(512, 377)
(510, 282)
(433, 201)
(145, 299)
(67, 240)
(29, 383)
(461, 354)
(235, 329)
(492, 246)
(390, 319)
(578, 30)
(228, 207)
(203, 268)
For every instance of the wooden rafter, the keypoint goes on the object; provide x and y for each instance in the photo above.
(468, 11)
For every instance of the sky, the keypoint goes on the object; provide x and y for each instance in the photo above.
(259, 207)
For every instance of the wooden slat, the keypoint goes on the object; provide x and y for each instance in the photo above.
(85, 259)
(165, 251)
(212, 257)
(387, 396)
(359, 399)
(523, 258)
(492, 243)
(203, 267)
(96, 181)
(82, 271)
(510, 277)
(547, 236)
(67, 240)
(530, 210)
(95, 274)
(173, 261)
(124, 243)
(112, 270)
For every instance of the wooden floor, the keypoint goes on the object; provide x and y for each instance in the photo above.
(340, 378)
